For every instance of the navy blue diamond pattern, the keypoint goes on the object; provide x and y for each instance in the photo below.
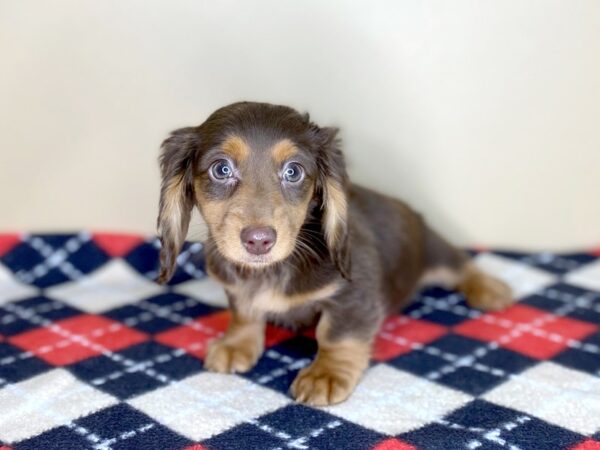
(17, 365)
(120, 427)
(54, 310)
(481, 424)
(473, 377)
(296, 426)
(280, 364)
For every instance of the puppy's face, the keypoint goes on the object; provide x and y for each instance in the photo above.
(254, 171)
(254, 195)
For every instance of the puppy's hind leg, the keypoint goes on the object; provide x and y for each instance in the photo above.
(484, 291)
(452, 268)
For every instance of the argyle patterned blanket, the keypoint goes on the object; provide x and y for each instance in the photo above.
(95, 355)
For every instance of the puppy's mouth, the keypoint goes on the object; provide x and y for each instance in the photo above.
(257, 260)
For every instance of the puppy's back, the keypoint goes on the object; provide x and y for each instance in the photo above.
(397, 232)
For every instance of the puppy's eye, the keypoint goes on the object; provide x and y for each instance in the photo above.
(221, 169)
(293, 173)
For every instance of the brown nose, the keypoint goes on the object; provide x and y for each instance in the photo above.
(258, 241)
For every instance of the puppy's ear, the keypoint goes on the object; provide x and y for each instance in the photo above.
(333, 184)
(176, 196)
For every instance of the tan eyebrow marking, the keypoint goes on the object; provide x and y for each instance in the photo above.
(236, 148)
(283, 150)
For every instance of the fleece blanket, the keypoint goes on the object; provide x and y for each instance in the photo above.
(95, 355)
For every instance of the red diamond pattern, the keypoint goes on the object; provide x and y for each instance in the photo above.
(117, 245)
(398, 335)
(541, 342)
(588, 445)
(393, 444)
(85, 336)
(7, 242)
(195, 336)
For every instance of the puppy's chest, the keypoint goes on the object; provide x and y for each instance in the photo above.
(260, 299)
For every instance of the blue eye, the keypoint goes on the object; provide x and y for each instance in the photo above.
(221, 170)
(293, 173)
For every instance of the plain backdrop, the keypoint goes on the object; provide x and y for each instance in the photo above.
(484, 115)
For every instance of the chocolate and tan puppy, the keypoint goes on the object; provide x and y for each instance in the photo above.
(292, 240)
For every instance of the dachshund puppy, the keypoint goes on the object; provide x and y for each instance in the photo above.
(292, 240)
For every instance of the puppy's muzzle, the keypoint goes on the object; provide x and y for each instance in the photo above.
(258, 241)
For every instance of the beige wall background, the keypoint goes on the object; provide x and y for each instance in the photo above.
(483, 114)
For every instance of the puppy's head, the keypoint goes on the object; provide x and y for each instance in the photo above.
(254, 171)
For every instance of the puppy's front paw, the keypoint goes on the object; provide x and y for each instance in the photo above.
(224, 357)
(319, 387)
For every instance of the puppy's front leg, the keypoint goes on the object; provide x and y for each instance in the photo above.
(337, 368)
(239, 348)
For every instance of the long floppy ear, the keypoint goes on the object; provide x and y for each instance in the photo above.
(176, 196)
(333, 184)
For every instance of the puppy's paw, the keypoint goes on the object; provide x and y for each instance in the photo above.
(486, 292)
(226, 357)
(317, 387)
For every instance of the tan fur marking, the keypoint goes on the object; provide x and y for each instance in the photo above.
(212, 212)
(239, 348)
(226, 233)
(336, 212)
(444, 276)
(484, 291)
(272, 300)
(335, 372)
(236, 148)
(283, 150)
(172, 213)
